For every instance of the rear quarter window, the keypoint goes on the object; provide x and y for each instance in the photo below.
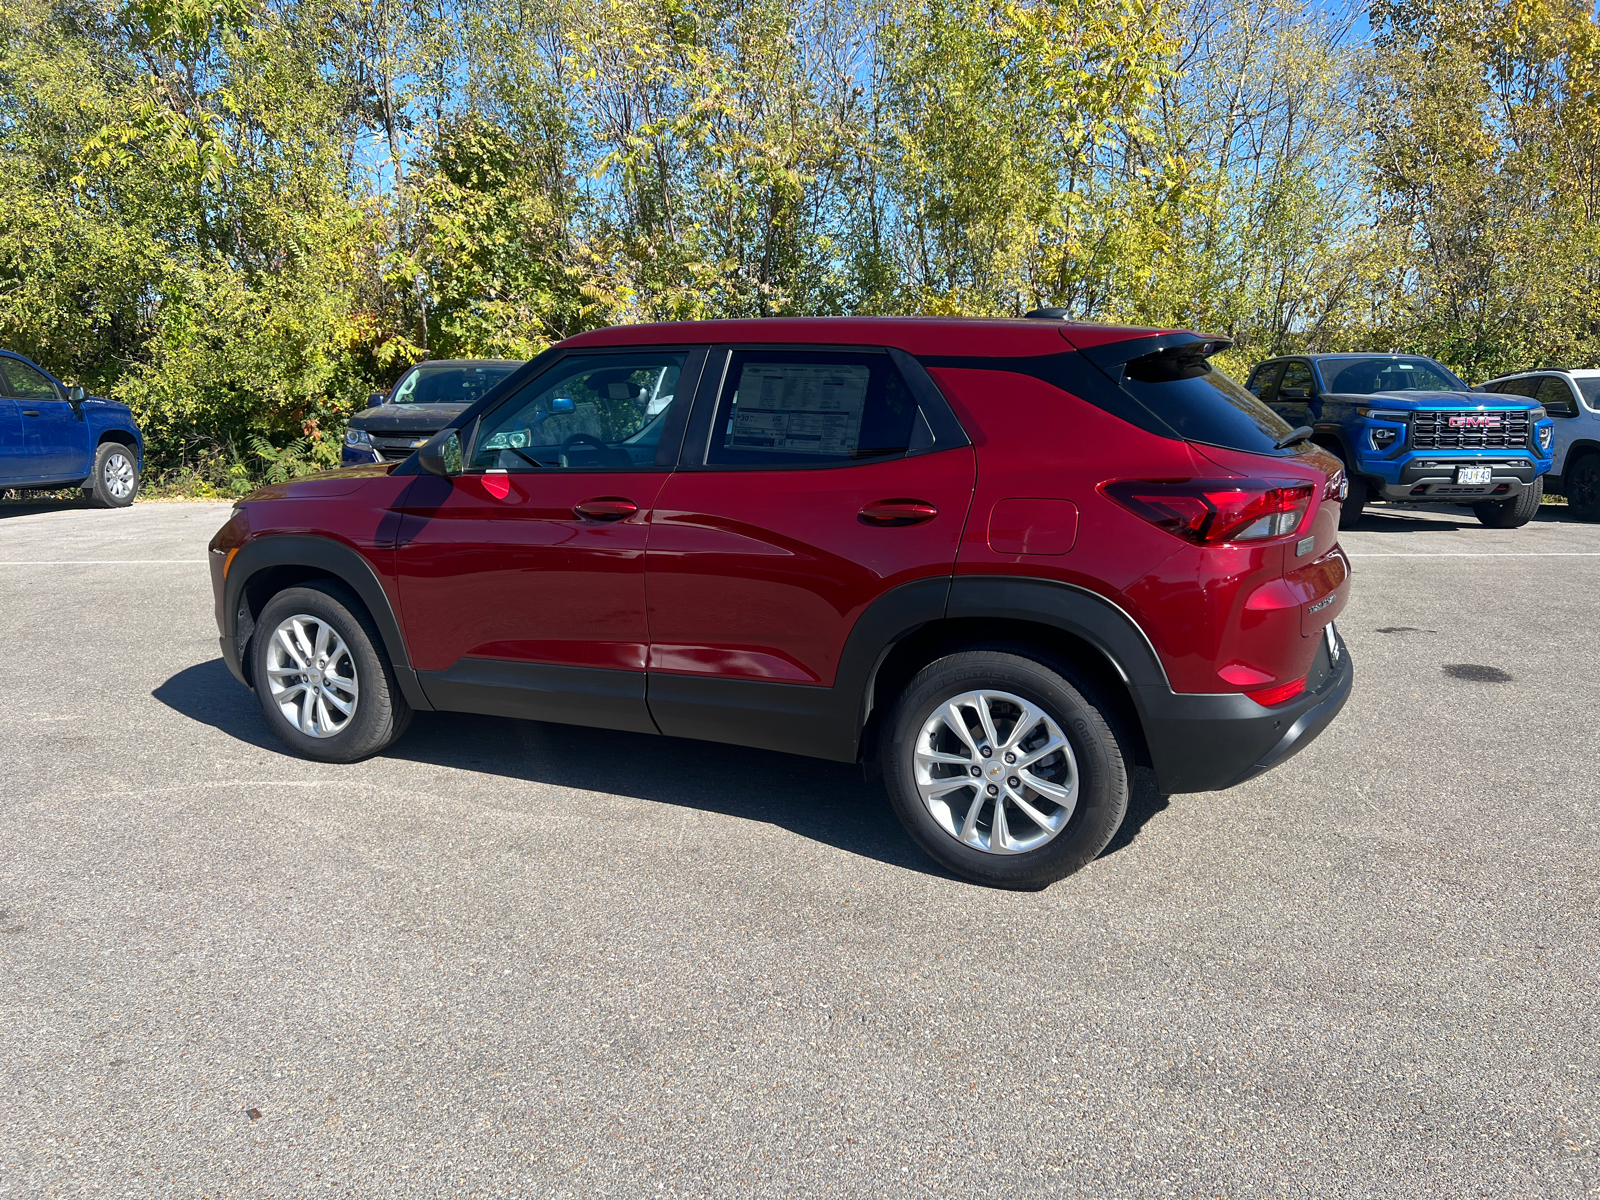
(1202, 404)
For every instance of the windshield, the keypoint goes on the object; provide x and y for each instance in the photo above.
(450, 385)
(1590, 388)
(1364, 376)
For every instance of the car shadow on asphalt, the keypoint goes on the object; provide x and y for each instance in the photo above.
(24, 508)
(827, 802)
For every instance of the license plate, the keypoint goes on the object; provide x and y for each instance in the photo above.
(1472, 474)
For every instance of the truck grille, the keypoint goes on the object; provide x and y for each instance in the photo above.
(398, 447)
(1432, 430)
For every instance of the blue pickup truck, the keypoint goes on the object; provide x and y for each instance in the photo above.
(53, 436)
(1408, 429)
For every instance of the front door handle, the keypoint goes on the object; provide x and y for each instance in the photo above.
(605, 508)
(898, 512)
(30, 412)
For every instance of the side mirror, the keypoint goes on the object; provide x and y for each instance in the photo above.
(1294, 393)
(442, 455)
(75, 394)
(562, 404)
(376, 399)
(1561, 408)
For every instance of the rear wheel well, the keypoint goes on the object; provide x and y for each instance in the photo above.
(939, 638)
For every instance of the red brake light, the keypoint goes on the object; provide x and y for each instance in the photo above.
(1267, 697)
(1208, 511)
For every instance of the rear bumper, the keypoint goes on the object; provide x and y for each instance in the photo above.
(1204, 743)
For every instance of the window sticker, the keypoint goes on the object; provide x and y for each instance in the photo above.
(799, 409)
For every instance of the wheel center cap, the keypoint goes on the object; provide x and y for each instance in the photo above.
(995, 769)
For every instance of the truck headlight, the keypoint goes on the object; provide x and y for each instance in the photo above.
(356, 437)
(1547, 435)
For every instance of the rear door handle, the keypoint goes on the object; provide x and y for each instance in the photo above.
(30, 412)
(898, 512)
(605, 508)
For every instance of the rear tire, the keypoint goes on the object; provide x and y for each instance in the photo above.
(1581, 484)
(316, 654)
(114, 482)
(1356, 496)
(1060, 807)
(1512, 513)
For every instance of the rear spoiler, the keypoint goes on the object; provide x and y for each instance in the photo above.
(1158, 357)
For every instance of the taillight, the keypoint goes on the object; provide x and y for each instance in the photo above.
(1267, 697)
(1208, 511)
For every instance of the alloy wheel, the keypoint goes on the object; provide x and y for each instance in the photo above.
(119, 475)
(996, 772)
(311, 676)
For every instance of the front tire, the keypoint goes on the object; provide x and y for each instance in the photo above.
(1002, 770)
(322, 677)
(114, 481)
(1581, 483)
(1512, 513)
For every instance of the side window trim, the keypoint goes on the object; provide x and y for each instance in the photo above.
(942, 430)
(671, 436)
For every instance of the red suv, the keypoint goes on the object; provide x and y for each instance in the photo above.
(1001, 560)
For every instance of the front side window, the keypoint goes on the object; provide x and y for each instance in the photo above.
(1263, 381)
(23, 382)
(1556, 397)
(797, 408)
(1368, 376)
(1296, 379)
(589, 412)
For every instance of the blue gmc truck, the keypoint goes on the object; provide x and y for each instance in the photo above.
(1407, 429)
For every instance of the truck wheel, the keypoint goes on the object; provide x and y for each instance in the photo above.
(1509, 514)
(114, 482)
(1356, 497)
(1582, 486)
(322, 677)
(1002, 770)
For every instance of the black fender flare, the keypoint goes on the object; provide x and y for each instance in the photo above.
(1579, 449)
(326, 557)
(1102, 623)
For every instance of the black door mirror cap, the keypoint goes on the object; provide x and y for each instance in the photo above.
(376, 399)
(441, 454)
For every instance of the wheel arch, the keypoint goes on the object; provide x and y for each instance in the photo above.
(267, 565)
(1078, 627)
(1576, 452)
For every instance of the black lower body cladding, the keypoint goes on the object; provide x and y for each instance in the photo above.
(1208, 743)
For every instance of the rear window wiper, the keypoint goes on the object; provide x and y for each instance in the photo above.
(1293, 436)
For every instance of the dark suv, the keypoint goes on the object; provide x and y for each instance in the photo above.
(422, 401)
(1001, 560)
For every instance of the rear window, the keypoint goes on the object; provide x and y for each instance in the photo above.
(1202, 404)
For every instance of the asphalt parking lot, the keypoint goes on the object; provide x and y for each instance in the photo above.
(533, 960)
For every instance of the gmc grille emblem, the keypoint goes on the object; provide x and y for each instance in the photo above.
(1470, 421)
